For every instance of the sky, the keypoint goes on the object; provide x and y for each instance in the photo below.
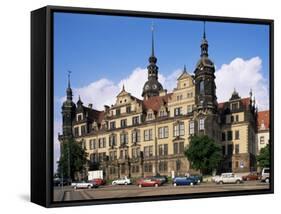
(105, 52)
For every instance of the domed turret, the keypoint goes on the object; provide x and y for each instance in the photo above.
(152, 87)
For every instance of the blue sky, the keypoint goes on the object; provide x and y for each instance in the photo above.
(98, 47)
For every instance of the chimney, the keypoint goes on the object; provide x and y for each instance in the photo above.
(90, 105)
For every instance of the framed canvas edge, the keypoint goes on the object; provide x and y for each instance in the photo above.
(49, 103)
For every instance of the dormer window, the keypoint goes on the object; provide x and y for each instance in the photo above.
(149, 116)
(234, 106)
(79, 117)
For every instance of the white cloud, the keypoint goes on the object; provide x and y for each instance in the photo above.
(243, 75)
(103, 92)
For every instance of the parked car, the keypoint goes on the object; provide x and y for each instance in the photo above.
(99, 181)
(228, 178)
(252, 176)
(265, 175)
(162, 179)
(122, 181)
(180, 181)
(198, 178)
(149, 182)
(82, 185)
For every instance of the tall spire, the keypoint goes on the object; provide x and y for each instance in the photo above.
(69, 90)
(152, 39)
(152, 58)
(204, 43)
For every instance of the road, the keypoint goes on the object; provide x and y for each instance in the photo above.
(109, 191)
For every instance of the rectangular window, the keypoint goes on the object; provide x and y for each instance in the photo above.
(179, 148)
(191, 127)
(112, 125)
(261, 139)
(163, 166)
(201, 124)
(236, 148)
(135, 136)
(123, 123)
(189, 108)
(124, 138)
(148, 167)
(79, 117)
(234, 106)
(232, 119)
(83, 130)
(76, 131)
(150, 116)
(223, 150)
(148, 134)
(163, 132)
(135, 120)
(112, 140)
(163, 149)
(229, 149)
(135, 152)
(177, 111)
(128, 109)
(229, 135)
(179, 129)
(118, 111)
(148, 151)
(237, 118)
(223, 136)
(237, 135)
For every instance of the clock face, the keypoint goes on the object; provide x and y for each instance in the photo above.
(147, 87)
(154, 86)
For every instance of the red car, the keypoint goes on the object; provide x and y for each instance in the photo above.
(99, 181)
(148, 182)
(252, 176)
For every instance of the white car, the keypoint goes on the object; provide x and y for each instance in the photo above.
(122, 181)
(265, 175)
(82, 185)
(228, 178)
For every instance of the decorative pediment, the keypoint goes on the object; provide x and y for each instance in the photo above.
(178, 138)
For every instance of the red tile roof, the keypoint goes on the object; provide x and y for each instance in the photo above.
(263, 120)
(156, 102)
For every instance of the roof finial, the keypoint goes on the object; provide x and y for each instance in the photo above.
(184, 68)
(69, 90)
(204, 31)
(152, 39)
(123, 87)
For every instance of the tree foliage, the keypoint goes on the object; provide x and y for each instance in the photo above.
(74, 155)
(203, 153)
(263, 158)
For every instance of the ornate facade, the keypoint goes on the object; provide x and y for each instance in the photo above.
(135, 137)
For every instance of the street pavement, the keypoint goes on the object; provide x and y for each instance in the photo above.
(109, 191)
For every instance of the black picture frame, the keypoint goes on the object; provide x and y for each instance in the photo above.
(42, 92)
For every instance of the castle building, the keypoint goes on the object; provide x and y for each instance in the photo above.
(143, 137)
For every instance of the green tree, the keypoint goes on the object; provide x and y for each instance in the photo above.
(203, 153)
(263, 158)
(74, 155)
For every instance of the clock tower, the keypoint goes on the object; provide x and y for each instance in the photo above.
(152, 87)
(205, 114)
